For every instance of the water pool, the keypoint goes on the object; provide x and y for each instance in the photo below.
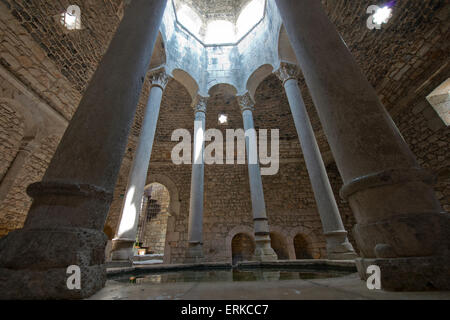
(228, 275)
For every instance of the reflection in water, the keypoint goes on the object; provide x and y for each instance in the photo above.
(229, 275)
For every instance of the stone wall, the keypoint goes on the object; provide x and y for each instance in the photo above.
(429, 139)
(403, 65)
(14, 208)
(11, 134)
(155, 233)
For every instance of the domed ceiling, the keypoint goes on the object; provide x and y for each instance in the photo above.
(218, 21)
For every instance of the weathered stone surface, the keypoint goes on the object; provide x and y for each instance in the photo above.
(404, 61)
(410, 274)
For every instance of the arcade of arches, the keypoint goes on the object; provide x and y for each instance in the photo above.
(86, 138)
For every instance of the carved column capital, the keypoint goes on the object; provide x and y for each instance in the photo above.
(287, 71)
(199, 104)
(246, 102)
(159, 78)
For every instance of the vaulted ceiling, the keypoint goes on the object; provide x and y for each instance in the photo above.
(403, 60)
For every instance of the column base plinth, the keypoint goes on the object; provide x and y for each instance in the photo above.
(34, 263)
(194, 253)
(410, 273)
(410, 235)
(264, 251)
(122, 250)
(338, 246)
(28, 284)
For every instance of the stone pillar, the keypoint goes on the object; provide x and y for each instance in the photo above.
(263, 249)
(400, 224)
(195, 232)
(26, 149)
(65, 223)
(131, 208)
(338, 246)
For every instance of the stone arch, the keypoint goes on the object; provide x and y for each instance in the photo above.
(174, 206)
(186, 80)
(31, 120)
(30, 131)
(279, 241)
(242, 248)
(174, 210)
(258, 76)
(302, 247)
(31, 170)
(233, 232)
(226, 89)
(285, 51)
(310, 238)
(14, 134)
(154, 217)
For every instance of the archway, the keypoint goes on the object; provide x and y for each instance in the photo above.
(279, 245)
(153, 220)
(302, 248)
(242, 248)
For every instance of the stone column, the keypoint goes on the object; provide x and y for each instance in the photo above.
(65, 223)
(338, 246)
(263, 249)
(195, 232)
(400, 224)
(131, 207)
(26, 149)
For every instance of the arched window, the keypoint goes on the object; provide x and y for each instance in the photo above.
(189, 19)
(250, 16)
(219, 32)
(71, 18)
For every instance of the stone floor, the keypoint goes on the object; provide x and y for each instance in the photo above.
(343, 288)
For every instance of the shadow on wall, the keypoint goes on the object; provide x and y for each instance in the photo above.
(242, 248)
(303, 248)
(279, 245)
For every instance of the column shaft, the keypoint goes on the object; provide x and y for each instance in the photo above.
(131, 207)
(338, 246)
(401, 226)
(65, 223)
(263, 248)
(195, 231)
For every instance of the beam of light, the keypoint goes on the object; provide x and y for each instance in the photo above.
(71, 19)
(199, 139)
(129, 213)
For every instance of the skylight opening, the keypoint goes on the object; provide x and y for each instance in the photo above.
(71, 18)
(250, 16)
(220, 32)
(189, 19)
